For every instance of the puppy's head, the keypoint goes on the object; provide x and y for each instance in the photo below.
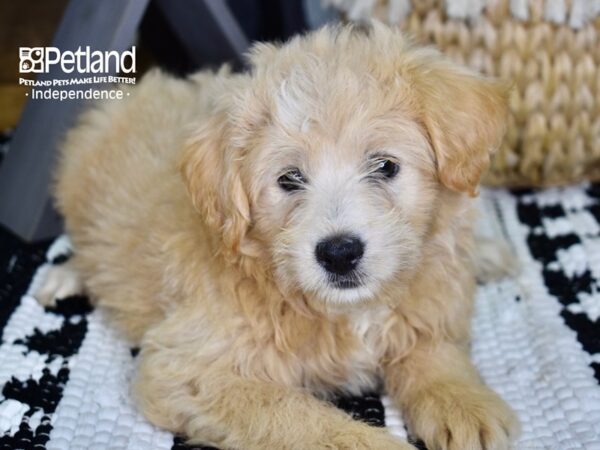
(330, 157)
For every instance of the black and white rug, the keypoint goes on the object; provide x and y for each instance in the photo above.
(64, 375)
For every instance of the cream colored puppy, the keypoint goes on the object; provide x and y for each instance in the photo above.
(301, 229)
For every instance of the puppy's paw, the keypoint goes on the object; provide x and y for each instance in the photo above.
(463, 417)
(494, 260)
(361, 437)
(58, 281)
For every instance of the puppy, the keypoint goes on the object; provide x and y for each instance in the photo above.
(301, 229)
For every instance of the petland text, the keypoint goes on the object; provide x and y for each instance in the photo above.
(83, 61)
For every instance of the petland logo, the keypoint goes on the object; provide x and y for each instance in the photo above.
(82, 61)
(86, 74)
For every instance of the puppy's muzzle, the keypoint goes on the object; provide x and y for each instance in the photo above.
(340, 255)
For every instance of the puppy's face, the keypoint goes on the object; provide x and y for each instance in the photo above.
(345, 185)
(331, 156)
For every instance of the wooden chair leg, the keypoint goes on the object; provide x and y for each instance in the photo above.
(26, 172)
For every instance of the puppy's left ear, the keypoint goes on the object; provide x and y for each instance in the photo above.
(211, 171)
(465, 116)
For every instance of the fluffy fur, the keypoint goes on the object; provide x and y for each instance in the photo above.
(183, 234)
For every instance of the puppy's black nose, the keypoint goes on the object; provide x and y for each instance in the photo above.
(340, 254)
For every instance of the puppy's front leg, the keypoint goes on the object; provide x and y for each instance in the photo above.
(181, 389)
(445, 402)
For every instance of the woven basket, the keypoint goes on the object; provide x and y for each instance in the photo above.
(550, 50)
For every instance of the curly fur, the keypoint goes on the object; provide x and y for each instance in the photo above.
(182, 233)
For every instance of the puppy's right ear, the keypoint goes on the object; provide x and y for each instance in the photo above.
(211, 172)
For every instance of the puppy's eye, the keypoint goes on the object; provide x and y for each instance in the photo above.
(385, 168)
(292, 180)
